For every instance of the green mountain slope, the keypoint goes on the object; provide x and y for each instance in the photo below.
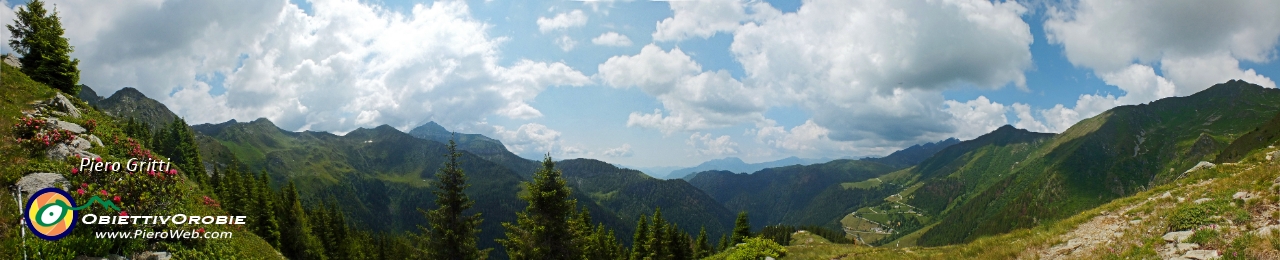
(1262, 136)
(380, 176)
(982, 188)
(630, 193)
(798, 195)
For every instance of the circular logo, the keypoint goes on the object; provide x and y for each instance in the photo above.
(49, 213)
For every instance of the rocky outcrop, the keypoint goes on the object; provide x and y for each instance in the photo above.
(12, 61)
(40, 180)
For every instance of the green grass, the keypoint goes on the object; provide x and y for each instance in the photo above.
(17, 92)
(867, 184)
(1138, 241)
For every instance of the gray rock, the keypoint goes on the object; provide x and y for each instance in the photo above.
(61, 103)
(1183, 247)
(86, 154)
(1273, 155)
(153, 256)
(96, 142)
(1203, 165)
(1267, 230)
(80, 144)
(1242, 196)
(1177, 236)
(36, 181)
(1202, 200)
(69, 126)
(12, 60)
(1202, 254)
(59, 151)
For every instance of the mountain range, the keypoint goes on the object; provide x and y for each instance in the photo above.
(940, 193)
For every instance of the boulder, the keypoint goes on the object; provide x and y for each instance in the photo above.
(1242, 196)
(36, 181)
(1202, 200)
(153, 256)
(95, 140)
(61, 103)
(1183, 247)
(1202, 254)
(12, 61)
(59, 152)
(69, 126)
(1203, 165)
(1177, 236)
(80, 144)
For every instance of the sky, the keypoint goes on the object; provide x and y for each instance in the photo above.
(657, 83)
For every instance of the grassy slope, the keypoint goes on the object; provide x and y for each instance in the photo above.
(17, 91)
(1122, 151)
(1254, 175)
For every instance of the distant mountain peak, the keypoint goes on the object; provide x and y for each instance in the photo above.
(262, 121)
(129, 92)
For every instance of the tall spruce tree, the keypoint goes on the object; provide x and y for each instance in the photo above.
(639, 242)
(658, 248)
(544, 230)
(702, 249)
(724, 243)
(266, 226)
(741, 229)
(452, 234)
(296, 239)
(46, 55)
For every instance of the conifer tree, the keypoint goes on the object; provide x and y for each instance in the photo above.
(724, 243)
(266, 226)
(46, 55)
(544, 230)
(639, 247)
(452, 234)
(701, 249)
(658, 248)
(741, 229)
(296, 239)
(678, 243)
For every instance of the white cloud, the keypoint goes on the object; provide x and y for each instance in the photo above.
(342, 65)
(706, 18)
(565, 43)
(1140, 84)
(705, 144)
(976, 117)
(622, 151)
(530, 137)
(1026, 119)
(854, 62)
(692, 100)
(1195, 45)
(1059, 117)
(561, 21)
(612, 39)
(1110, 35)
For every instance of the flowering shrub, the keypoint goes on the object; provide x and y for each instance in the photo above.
(28, 127)
(90, 125)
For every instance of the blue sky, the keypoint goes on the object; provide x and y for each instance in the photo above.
(692, 81)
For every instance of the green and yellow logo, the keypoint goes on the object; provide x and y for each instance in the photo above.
(51, 212)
